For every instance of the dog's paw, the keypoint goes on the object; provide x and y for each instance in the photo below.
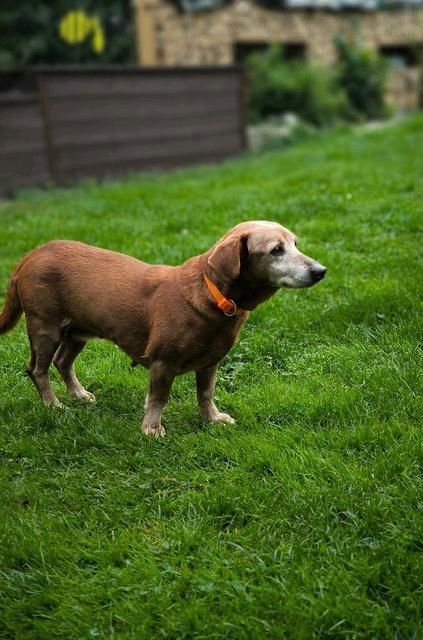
(54, 404)
(83, 394)
(153, 430)
(222, 417)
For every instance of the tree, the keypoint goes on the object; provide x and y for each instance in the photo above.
(30, 33)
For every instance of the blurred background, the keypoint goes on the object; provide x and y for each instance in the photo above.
(102, 87)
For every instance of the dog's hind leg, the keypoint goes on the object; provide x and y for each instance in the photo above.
(68, 350)
(31, 363)
(43, 340)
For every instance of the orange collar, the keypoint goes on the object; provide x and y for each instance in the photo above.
(228, 307)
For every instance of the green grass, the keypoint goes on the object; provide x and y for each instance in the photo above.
(302, 521)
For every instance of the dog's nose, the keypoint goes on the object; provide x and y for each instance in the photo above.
(318, 272)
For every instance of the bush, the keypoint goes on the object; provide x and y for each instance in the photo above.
(362, 74)
(419, 56)
(278, 86)
(37, 25)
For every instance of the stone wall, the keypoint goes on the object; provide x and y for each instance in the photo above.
(209, 37)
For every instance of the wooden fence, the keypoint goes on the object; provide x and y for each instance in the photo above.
(60, 125)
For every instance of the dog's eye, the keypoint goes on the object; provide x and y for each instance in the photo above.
(278, 251)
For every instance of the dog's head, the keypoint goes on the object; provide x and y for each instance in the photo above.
(264, 252)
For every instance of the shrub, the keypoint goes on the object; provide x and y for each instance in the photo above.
(362, 74)
(419, 56)
(38, 29)
(278, 86)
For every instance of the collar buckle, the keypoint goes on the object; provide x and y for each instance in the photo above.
(234, 309)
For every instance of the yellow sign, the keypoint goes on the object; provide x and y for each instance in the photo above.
(76, 26)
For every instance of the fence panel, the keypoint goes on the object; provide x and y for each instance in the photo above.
(23, 153)
(72, 123)
(104, 123)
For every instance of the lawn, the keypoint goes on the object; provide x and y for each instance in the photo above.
(303, 520)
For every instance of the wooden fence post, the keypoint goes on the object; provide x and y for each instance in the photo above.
(243, 106)
(52, 159)
(145, 32)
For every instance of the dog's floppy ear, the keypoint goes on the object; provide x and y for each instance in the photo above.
(226, 257)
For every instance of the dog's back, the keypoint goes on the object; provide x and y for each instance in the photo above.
(71, 282)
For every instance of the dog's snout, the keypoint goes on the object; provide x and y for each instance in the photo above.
(318, 272)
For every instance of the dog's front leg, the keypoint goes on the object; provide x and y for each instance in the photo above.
(206, 382)
(161, 379)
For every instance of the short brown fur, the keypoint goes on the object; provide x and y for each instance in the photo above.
(163, 317)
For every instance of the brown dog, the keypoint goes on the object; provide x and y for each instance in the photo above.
(169, 319)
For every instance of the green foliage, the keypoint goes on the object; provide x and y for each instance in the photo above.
(419, 57)
(353, 90)
(278, 86)
(303, 521)
(30, 33)
(362, 74)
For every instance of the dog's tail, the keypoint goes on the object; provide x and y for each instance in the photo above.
(12, 310)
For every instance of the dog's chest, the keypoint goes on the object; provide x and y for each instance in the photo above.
(213, 347)
(202, 346)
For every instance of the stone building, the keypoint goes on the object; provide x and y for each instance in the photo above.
(208, 32)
